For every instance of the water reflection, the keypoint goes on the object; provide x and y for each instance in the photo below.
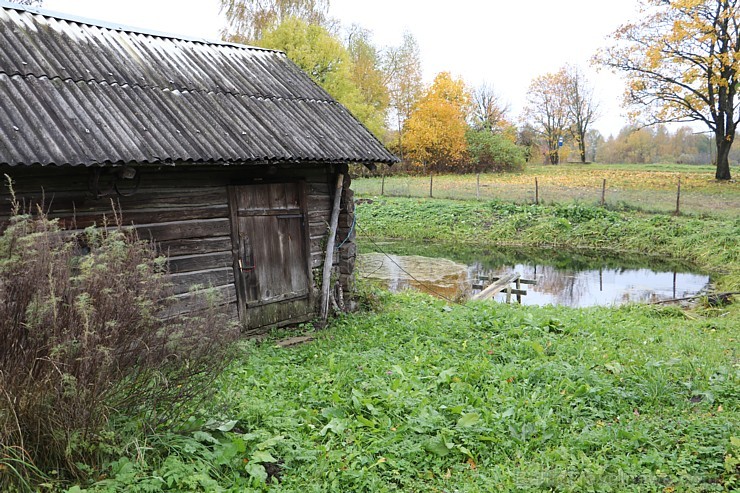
(592, 281)
(437, 276)
(606, 286)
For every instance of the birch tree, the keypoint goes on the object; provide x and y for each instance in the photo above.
(324, 58)
(402, 66)
(249, 20)
(367, 74)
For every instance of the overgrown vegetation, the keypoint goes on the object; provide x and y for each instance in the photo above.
(422, 396)
(84, 343)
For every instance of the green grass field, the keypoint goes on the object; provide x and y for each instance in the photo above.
(420, 396)
(625, 187)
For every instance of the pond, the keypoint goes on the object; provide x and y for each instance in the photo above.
(576, 279)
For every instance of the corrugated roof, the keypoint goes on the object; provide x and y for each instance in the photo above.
(82, 93)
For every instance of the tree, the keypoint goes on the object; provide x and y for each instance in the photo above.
(639, 146)
(681, 61)
(249, 20)
(547, 110)
(527, 139)
(435, 131)
(581, 107)
(326, 61)
(594, 140)
(33, 3)
(367, 74)
(489, 112)
(402, 66)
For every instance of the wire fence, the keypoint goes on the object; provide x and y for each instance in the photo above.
(671, 197)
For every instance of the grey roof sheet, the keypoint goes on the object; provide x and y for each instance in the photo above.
(74, 92)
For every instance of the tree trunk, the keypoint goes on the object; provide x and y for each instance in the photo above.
(723, 158)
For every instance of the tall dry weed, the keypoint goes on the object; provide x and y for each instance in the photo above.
(82, 342)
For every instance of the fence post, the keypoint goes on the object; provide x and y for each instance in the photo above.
(382, 184)
(477, 187)
(519, 289)
(678, 197)
(603, 192)
(431, 183)
(536, 191)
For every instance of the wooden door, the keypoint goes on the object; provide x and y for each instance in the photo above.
(270, 253)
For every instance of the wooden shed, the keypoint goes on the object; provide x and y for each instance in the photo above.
(226, 156)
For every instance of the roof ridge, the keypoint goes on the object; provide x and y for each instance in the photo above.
(181, 90)
(125, 28)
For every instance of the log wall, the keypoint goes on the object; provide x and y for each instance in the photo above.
(184, 209)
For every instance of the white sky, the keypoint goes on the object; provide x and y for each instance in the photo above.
(504, 43)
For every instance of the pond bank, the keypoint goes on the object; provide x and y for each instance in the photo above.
(709, 243)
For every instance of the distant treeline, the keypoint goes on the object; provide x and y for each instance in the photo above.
(655, 145)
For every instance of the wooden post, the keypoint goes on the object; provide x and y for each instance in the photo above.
(603, 193)
(431, 183)
(508, 294)
(678, 197)
(536, 191)
(477, 187)
(329, 257)
(518, 290)
(382, 184)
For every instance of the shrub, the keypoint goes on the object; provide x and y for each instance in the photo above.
(494, 152)
(83, 341)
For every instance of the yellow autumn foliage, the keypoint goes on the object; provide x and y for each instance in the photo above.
(434, 134)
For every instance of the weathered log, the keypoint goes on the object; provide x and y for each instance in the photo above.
(496, 287)
(329, 257)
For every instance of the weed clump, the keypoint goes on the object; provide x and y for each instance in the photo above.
(83, 340)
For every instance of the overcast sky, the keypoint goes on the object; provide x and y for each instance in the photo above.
(504, 43)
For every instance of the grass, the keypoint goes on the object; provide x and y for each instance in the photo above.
(625, 187)
(422, 396)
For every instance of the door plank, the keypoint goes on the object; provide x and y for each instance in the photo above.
(271, 229)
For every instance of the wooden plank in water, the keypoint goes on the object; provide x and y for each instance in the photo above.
(496, 287)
